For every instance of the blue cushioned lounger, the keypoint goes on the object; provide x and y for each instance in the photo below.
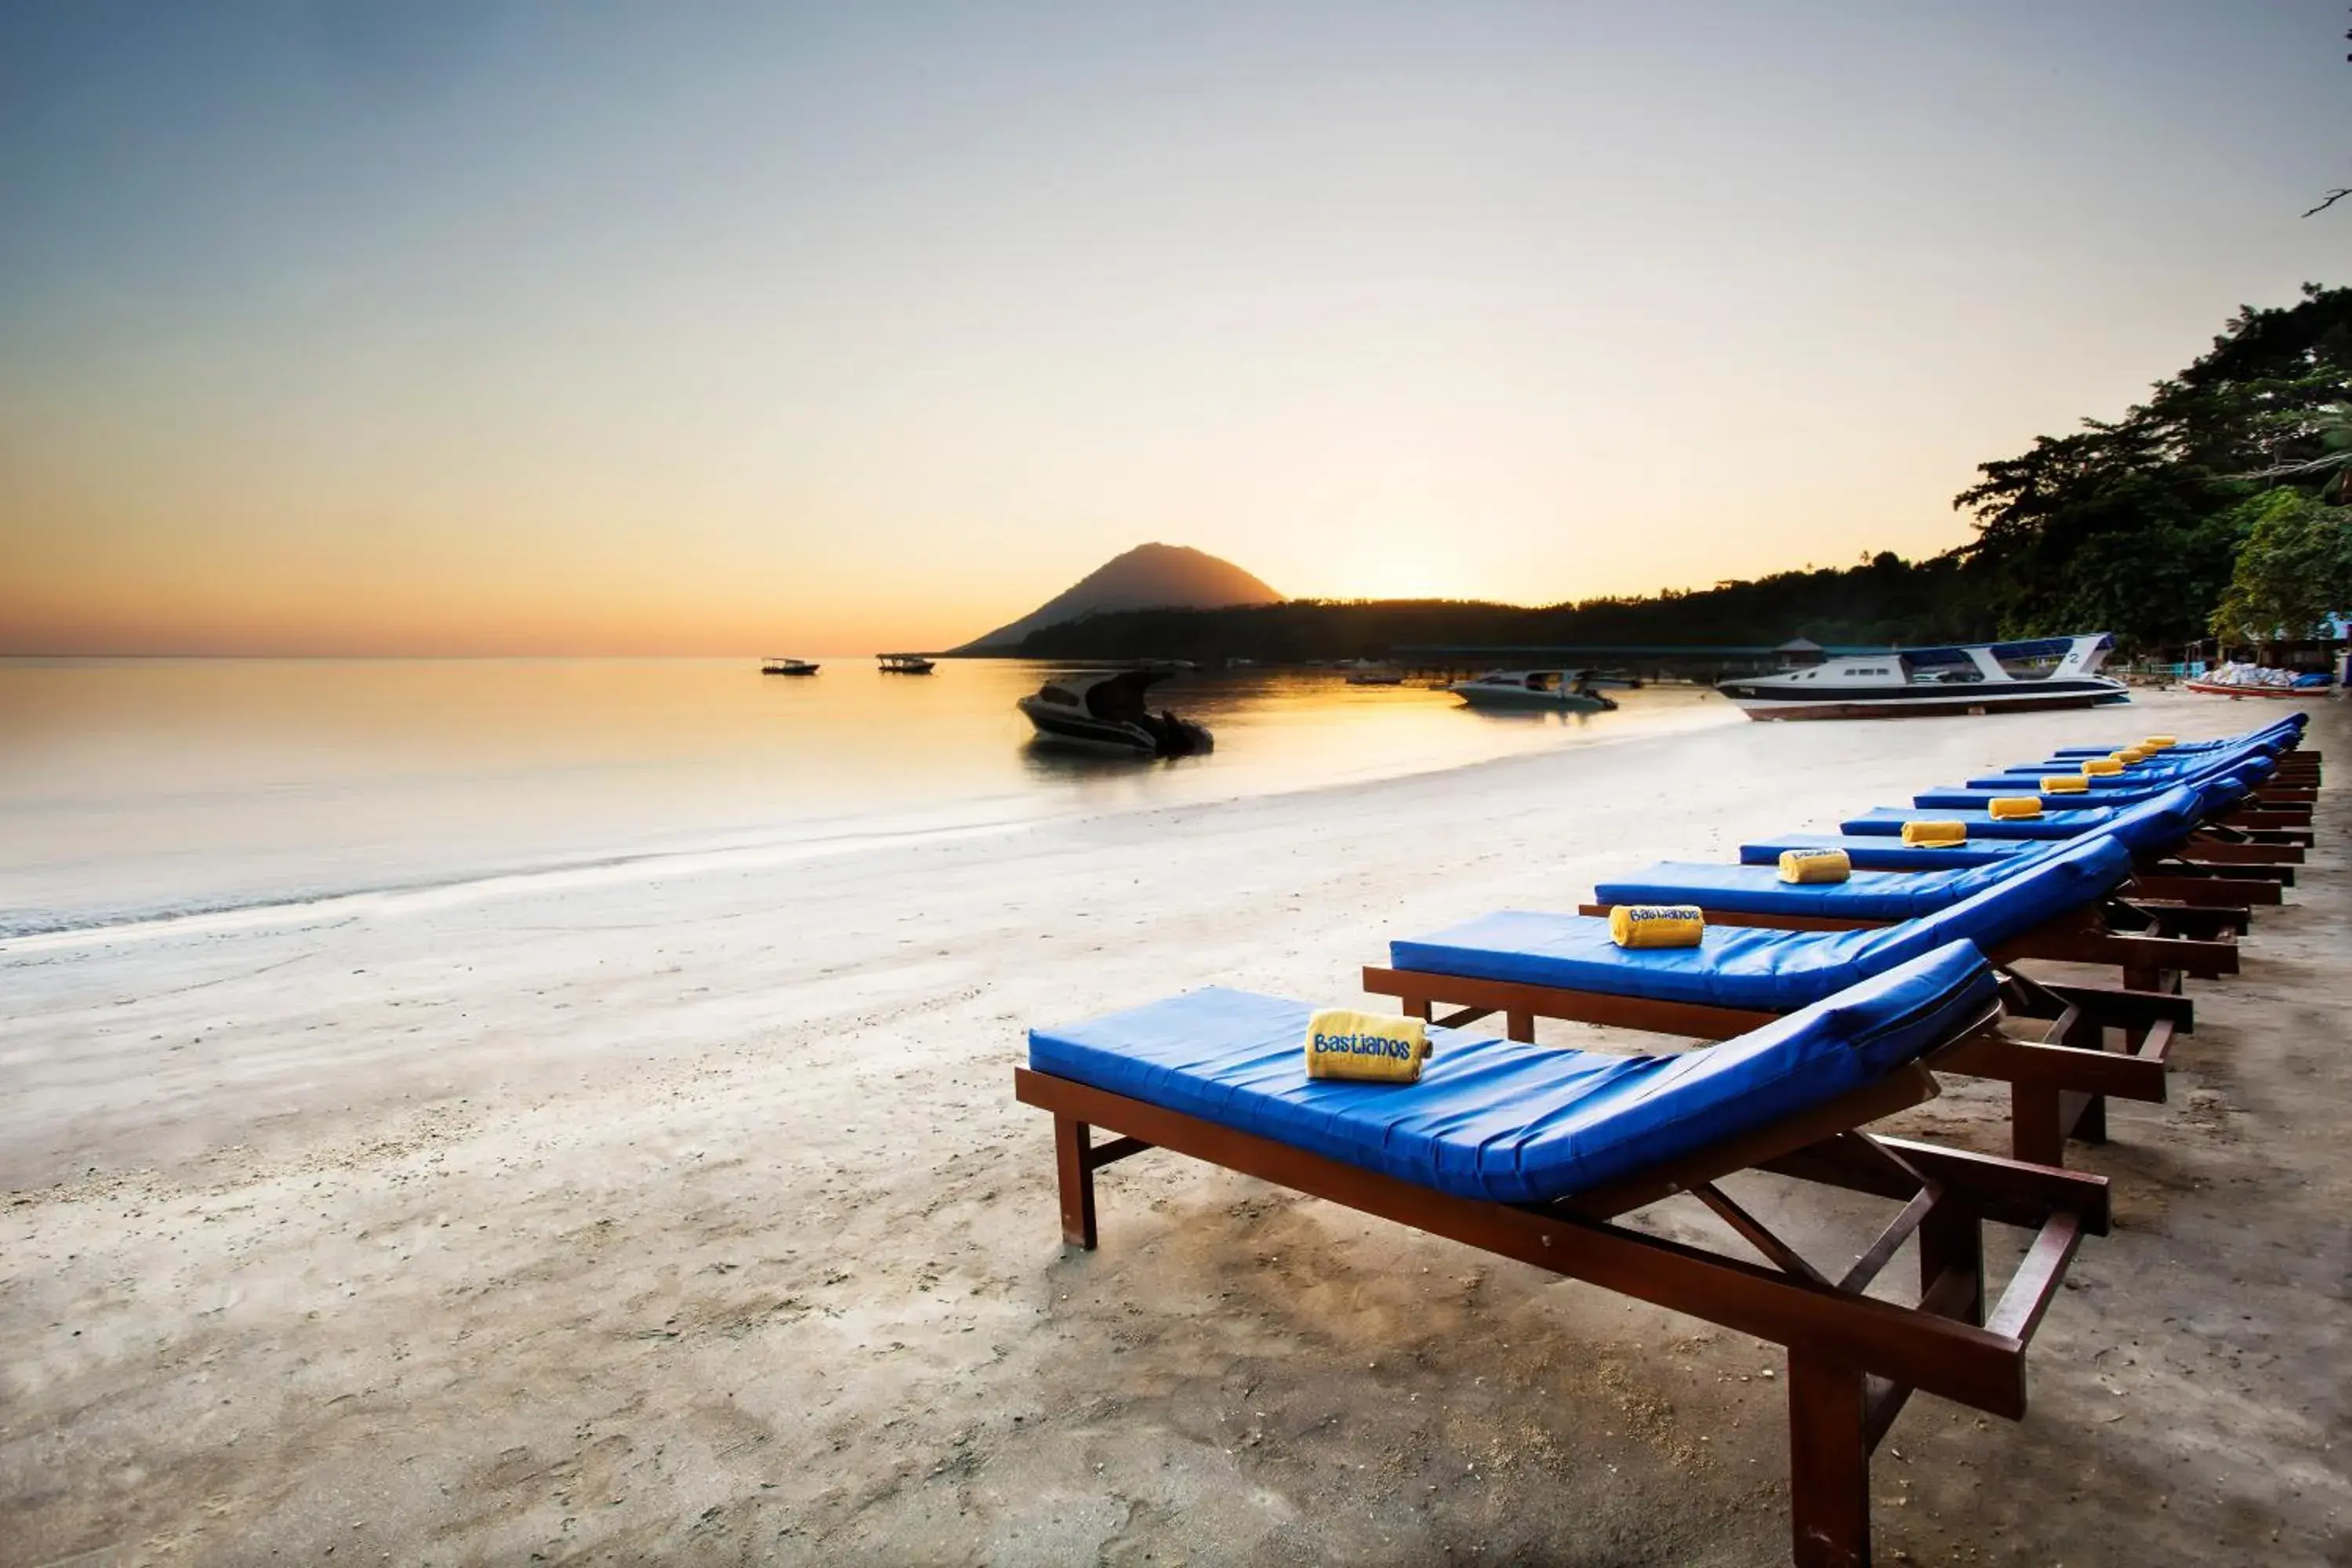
(1541, 1156)
(1883, 849)
(1887, 852)
(2214, 794)
(1889, 819)
(1752, 967)
(2286, 729)
(1500, 1119)
(1758, 891)
(1893, 895)
(2249, 772)
(1954, 798)
(2256, 769)
(2256, 764)
(2260, 759)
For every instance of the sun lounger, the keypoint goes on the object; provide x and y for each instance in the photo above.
(1753, 894)
(1978, 794)
(2256, 808)
(2206, 850)
(1537, 1154)
(1887, 852)
(2259, 773)
(2288, 730)
(1527, 966)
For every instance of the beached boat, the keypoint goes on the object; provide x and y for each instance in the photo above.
(1976, 677)
(787, 666)
(1551, 690)
(2256, 680)
(905, 664)
(1105, 711)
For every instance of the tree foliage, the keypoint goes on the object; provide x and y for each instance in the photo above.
(2294, 567)
(2131, 525)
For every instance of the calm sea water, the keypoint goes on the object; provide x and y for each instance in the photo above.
(144, 789)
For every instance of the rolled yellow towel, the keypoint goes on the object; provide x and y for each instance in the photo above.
(2064, 783)
(1935, 832)
(2161, 743)
(1656, 925)
(1815, 866)
(2101, 767)
(2131, 756)
(2013, 808)
(1376, 1048)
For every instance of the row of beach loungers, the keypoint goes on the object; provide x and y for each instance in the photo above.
(1834, 1005)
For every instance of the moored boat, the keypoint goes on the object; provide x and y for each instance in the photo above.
(1548, 690)
(1973, 678)
(905, 664)
(787, 666)
(1104, 710)
(2234, 679)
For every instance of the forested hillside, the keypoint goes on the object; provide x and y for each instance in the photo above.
(2132, 525)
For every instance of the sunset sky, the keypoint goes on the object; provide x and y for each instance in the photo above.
(469, 328)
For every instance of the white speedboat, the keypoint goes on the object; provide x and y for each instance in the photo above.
(1105, 711)
(1975, 677)
(1550, 691)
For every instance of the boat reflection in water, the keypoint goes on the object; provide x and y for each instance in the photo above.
(1105, 712)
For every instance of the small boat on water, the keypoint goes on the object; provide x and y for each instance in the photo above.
(905, 664)
(787, 666)
(2234, 679)
(1974, 677)
(1548, 690)
(1372, 672)
(1104, 710)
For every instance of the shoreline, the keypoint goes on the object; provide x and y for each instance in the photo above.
(689, 1217)
(722, 851)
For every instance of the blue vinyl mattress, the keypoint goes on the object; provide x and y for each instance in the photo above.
(2257, 761)
(2239, 776)
(1501, 1119)
(1886, 853)
(1758, 891)
(1888, 820)
(1961, 797)
(2255, 766)
(2153, 825)
(1751, 967)
(2284, 731)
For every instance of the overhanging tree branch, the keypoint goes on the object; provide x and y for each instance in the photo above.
(2333, 197)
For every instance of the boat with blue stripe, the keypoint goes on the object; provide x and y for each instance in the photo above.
(1963, 679)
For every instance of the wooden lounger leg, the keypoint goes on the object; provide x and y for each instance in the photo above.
(1829, 1463)
(2090, 1121)
(1076, 1178)
(2084, 1116)
(1951, 1248)
(2037, 1124)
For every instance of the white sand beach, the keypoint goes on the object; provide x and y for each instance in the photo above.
(682, 1212)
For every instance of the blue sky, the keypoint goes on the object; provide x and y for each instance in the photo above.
(472, 327)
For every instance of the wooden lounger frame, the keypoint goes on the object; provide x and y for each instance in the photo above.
(2093, 1043)
(1853, 1359)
